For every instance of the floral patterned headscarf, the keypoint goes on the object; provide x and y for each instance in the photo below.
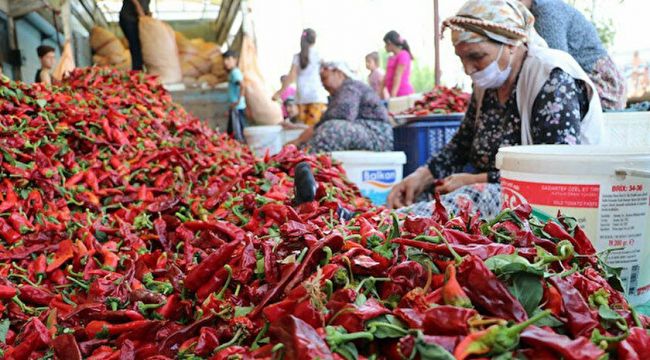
(504, 21)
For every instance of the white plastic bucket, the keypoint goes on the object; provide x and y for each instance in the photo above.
(607, 189)
(375, 173)
(291, 135)
(263, 138)
(627, 129)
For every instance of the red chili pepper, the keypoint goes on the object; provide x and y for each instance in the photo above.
(483, 251)
(7, 292)
(447, 320)
(8, 233)
(582, 245)
(20, 223)
(37, 337)
(580, 348)
(300, 340)
(209, 265)
(10, 198)
(33, 295)
(63, 254)
(487, 291)
(580, 319)
(96, 327)
(452, 293)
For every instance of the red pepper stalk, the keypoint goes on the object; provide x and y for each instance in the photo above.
(452, 293)
(494, 340)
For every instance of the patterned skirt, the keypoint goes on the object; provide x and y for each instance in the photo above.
(344, 135)
(483, 198)
(610, 84)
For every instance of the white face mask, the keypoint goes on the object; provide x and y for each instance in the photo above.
(492, 77)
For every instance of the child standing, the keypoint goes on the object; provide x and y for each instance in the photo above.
(47, 56)
(237, 106)
(376, 76)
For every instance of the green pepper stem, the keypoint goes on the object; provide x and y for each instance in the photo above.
(79, 283)
(353, 237)
(24, 278)
(339, 338)
(374, 326)
(427, 238)
(328, 255)
(232, 341)
(363, 282)
(260, 336)
(225, 286)
(518, 328)
(457, 258)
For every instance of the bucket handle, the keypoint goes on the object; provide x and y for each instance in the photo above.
(633, 172)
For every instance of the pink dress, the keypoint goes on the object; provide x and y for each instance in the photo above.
(405, 87)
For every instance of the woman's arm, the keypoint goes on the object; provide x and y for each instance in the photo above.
(558, 110)
(344, 105)
(304, 137)
(454, 156)
(290, 79)
(456, 181)
(397, 79)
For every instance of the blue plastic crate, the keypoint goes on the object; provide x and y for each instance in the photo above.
(424, 136)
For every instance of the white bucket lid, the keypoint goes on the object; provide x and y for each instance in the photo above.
(370, 157)
(574, 159)
(262, 129)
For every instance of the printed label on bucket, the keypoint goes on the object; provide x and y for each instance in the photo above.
(380, 178)
(614, 215)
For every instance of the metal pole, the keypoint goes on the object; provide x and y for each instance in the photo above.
(436, 41)
(13, 45)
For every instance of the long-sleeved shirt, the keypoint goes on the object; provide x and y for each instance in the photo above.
(565, 28)
(556, 115)
(353, 101)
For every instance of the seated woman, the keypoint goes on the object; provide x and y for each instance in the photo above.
(523, 95)
(565, 28)
(355, 118)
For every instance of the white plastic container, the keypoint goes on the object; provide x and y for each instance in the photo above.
(263, 138)
(290, 135)
(607, 189)
(627, 129)
(374, 173)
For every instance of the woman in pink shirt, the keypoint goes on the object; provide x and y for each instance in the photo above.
(398, 68)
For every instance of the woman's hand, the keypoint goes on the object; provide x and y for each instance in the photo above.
(277, 96)
(288, 125)
(456, 181)
(303, 138)
(404, 193)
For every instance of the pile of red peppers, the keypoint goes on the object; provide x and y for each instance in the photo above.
(440, 100)
(130, 230)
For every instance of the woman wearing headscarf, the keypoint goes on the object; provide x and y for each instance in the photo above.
(523, 94)
(311, 96)
(565, 28)
(355, 118)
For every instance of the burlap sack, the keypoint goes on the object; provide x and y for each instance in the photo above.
(159, 50)
(217, 68)
(100, 60)
(208, 79)
(104, 42)
(202, 64)
(189, 70)
(190, 81)
(117, 58)
(263, 110)
(66, 62)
